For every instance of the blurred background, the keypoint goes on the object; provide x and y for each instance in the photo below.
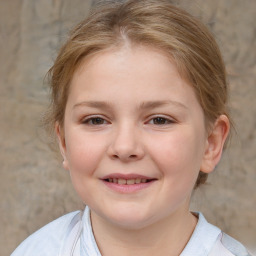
(34, 189)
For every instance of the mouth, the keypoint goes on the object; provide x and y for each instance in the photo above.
(122, 181)
(127, 183)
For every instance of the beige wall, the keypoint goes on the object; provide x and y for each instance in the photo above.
(33, 187)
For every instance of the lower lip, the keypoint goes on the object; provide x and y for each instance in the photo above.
(125, 189)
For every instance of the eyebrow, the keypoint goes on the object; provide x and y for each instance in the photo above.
(93, 104)
(144, 105)
(155, 104)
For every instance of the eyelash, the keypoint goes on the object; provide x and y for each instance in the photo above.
(98, 120)
(90, 120)
(162, 120)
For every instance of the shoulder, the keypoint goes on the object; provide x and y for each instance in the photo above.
(225, 245)
(47, 240)
(208, 239)
(233, 246)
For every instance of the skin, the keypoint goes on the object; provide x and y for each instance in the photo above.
(130, 112)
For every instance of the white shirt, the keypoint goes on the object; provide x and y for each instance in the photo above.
(72, 234)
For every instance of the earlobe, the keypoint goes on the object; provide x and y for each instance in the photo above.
(62, 144)
(215, 143)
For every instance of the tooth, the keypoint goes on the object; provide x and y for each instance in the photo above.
(137, 181)
(121, 181)
(130, 182)
(110, 180)
(115, 180)
(143, 180)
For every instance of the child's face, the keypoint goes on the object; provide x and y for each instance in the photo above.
(131, 117)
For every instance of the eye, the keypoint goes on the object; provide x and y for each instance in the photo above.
(161, 121)
(94, 121)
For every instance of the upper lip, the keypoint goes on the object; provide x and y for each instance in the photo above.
(126, 176)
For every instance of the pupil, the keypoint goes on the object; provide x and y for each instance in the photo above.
(97, 120)
(159, 120)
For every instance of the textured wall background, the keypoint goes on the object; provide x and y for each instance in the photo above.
(33, 187)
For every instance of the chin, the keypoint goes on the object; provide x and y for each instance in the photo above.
(129, 219)
(130, 224)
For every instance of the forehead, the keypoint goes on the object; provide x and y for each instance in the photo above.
(128, 59)
(131, 75)
(127, 46)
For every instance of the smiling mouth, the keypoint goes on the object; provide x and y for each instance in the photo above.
(128, 181)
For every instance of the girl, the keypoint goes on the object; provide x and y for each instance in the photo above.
(139, 98)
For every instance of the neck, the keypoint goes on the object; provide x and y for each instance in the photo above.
(166, 237)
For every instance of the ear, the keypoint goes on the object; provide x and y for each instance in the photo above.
(62, 144)
(215, 143)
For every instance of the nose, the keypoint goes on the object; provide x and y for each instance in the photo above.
(126, 144)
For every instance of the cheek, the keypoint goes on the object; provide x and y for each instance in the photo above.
(178, 155)
(83, 153)
(178, 160)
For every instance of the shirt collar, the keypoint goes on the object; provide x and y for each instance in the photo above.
(202, 239)
(200, 243)
(88, 243)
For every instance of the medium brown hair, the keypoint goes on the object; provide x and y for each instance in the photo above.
(154, 23)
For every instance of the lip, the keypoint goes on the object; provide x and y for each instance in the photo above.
(125, 188)
(127, 176)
